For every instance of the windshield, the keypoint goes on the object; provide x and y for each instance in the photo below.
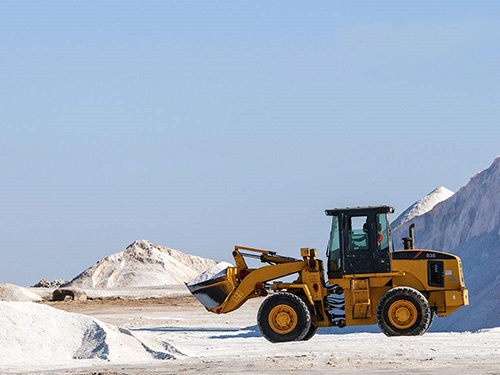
(334, 260)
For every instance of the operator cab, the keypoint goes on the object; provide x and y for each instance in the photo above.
(359, 241)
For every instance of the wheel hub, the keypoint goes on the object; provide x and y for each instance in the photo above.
(282, 319)
(402, 314)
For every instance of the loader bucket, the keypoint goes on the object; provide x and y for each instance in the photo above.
(213, 292)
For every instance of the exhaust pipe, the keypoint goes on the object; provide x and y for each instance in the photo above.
(409, 242)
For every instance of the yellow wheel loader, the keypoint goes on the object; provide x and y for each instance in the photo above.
(367, 282)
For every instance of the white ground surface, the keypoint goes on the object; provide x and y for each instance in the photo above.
(220, 344)
(128, 293)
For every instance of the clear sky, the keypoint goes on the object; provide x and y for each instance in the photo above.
(203, 124)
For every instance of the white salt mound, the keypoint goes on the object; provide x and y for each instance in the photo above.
(50, 284)
(423, 205)
(467, 224)
(38, 335)
(11, 292)
(212, 273)
(142, 264)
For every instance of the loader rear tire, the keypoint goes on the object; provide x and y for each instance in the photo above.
(403, 311)
(284, 317)
(433, 313)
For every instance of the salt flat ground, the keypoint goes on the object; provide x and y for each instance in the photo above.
(231, 343)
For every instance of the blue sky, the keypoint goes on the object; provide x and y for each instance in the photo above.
(201, 125)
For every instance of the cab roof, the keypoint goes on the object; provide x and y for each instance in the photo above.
(360, 209)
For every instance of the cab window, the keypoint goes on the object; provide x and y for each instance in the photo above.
(382, 233)
(358, 233)
(334, 260)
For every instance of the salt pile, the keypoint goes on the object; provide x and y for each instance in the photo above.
(212, 273)
(38, 335)
(467, 224)
(142, 264)
(423, 205)
(10, 292)
(50, 284)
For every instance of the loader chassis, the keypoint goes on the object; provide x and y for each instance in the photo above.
(368, 282)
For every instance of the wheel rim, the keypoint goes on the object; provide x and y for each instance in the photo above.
(402, 314)
(282, 319)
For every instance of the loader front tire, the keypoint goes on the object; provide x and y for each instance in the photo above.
(403, 311)
(310, 333)
(284, 317)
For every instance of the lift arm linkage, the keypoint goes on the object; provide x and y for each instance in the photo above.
(249, 283)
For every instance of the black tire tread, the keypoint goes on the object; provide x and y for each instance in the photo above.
(310, 333)
(404, 293)
(280, 298)
(433, 313)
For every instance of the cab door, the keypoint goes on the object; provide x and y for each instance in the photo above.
(366, 251)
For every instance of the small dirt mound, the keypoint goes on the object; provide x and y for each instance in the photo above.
(73, 294)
